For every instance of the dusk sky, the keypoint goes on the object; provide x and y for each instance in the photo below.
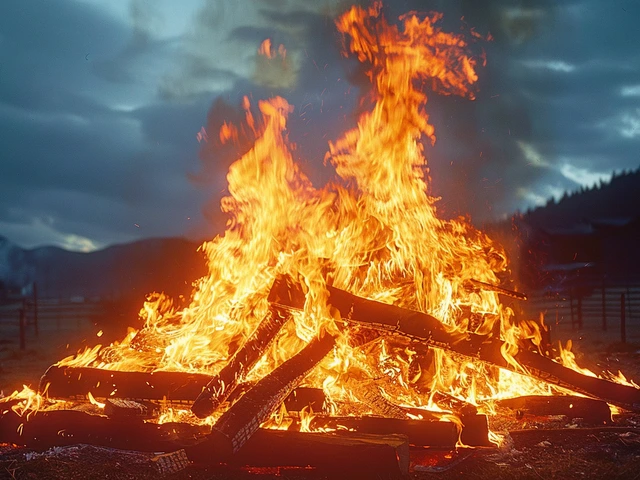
(101, 102)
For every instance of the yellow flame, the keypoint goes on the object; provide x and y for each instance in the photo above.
(373, 230)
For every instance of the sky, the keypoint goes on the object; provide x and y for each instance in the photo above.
(101, 103)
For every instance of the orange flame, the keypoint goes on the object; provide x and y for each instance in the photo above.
(373, 231)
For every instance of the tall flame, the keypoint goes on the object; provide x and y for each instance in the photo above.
(372, 231)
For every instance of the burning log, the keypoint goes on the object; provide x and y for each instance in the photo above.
(421, 433)
(428, 330)
(77, 382)
(46, 429)
(119, 408)
(305, 397)
(220, 386)
(589, 409)
(240, 422)
(348, 453)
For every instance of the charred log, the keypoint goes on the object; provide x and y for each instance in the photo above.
(421, 433)
(221, 386)
(43, 430)
(589, 409)
(345, 452)
(349, 452)
(76, 382)
(240, 422)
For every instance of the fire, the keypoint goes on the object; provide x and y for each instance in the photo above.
(373, 231)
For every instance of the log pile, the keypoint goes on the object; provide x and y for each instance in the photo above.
(379, 442)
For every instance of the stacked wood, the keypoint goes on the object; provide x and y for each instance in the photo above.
(428, 330)
(240, 422)
(220, 387)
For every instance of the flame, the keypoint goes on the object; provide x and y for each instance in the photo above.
(373, 230)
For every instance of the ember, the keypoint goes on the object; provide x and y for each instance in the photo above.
(356, 291)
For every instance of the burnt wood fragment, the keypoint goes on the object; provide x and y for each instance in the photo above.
(220, 387)
(120, 408)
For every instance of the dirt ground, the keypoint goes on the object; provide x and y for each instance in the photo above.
(538, 448)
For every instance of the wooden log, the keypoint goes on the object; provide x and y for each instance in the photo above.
(344, 453)
(239, 423)
(428, 330)
(421, 433)
(589, 409)
(349, 452)
(47, 429)
(221, 386)
(76, 382)
(121, 408)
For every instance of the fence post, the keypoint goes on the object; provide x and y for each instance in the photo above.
(604, 307)
(35, 309)
(580, 311)
(22, 322)
(623, 320)
(571, 309)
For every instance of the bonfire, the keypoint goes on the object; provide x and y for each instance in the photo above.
(348, 309)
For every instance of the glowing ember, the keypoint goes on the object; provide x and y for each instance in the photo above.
(372, 231)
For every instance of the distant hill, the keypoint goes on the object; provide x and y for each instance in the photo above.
(135, 269)
(617, 199)
(597, 229)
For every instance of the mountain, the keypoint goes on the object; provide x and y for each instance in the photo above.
(618, 199)
(162, 264)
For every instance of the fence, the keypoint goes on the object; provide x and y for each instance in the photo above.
(24, 317)
(602, 311)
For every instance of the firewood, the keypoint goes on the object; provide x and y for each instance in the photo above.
(239, 423)
(347, 453)
(421, 433)
(344, 452)
(46, 429)
(428, 330)
(76, 382)
(221, 386)
(589, 409)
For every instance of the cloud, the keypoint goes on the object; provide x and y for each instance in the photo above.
(550, 65)
(37, 231)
